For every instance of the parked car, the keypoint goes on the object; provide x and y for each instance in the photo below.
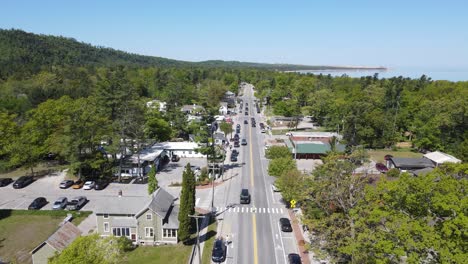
(253, 124)
(246, 122)
(175, 158)
(285, 225)
(236, 136)
(37, 204)
(244, 142)
(76, 203)
(236, 144)
(101, 184)
(5, 181)
(65, 184)
(235, 152)
(60, 203)
(219, 251)
(274, 188)
(89, 185)
(233, 158)
(238, 126)
(23, 181)
(246, 113)
(78, 184)
(245, 196)
(294, 258)
(381, 167)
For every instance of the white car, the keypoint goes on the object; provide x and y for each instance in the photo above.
(274, 188)
(89, 185)
(60, 203)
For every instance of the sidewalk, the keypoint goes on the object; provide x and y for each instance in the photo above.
(299, 238)
(203, 229)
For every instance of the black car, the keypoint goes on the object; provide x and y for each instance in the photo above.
(253, 124)
(238, 126)
(37, 204)
(245, 196)
(5, 181)
(246, 113)
(237, 130)
(285, 225)
(236, 136)
(219, 251)
(246, 122)
(23, 181)
(236, 144)
(101, 184)
(235, 152)
(294, 258)
(233, 158)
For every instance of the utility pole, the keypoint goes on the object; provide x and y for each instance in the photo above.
(198, 234)
(212, 171)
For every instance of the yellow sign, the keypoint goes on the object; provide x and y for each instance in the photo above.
(293, 203)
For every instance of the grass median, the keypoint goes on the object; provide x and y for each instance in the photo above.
(210, 236)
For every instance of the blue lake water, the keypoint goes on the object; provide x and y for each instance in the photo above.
(434, 74)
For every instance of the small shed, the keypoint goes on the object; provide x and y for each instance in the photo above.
(438, 158)
(58, 241)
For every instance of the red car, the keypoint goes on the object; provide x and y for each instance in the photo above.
(381, 167)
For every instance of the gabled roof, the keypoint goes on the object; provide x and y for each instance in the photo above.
(440, 157)
(160, 203)
(412, 163)
(63, 237)
(123, 205)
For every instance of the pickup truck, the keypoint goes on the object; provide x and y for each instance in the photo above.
(76, 203)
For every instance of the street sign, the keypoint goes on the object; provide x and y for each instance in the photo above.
(293, 203)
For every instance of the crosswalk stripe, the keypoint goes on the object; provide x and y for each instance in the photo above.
(268, 210)
(242, 209)
(230, 209)
(281, 210)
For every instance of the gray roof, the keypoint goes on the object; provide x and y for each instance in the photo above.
(161, 202)
(124, 222)
(412, 163)
(63, 237)
(171, 220)
(123, 205)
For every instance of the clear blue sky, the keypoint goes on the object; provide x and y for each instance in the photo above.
(398, 33)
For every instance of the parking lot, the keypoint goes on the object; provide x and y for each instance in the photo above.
(48, 187)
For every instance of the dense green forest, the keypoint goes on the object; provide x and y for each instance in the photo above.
(374, 112)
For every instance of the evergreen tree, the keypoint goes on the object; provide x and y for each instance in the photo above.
(187, 203)
(152, 181)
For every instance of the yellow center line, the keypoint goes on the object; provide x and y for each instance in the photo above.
(254, 220)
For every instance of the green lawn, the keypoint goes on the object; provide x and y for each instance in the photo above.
(22, 230)
(206, 258)
(379, 154)
(40, 169)
(159, 254)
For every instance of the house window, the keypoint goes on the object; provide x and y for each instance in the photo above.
(149, 216)
(170, 233)
(121, 231)
(106, 216)
(106, 227)
(149, 232)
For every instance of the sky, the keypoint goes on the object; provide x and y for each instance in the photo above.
(398, 33)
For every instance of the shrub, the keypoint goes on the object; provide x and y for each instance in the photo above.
(393, 173)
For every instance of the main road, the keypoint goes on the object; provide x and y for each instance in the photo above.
(253, 229)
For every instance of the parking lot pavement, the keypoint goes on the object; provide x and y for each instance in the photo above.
(172, 172)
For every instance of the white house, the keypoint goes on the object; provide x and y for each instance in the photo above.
(157, 104)
(181, 149)
(223, 108)
(438, 158)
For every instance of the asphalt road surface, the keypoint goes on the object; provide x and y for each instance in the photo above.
(253, 229)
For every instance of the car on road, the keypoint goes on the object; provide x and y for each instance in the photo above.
(294, 258)
(244, 142)
(233, 158)
(89, 185)
(285, 225)
(101, 184)
(66, 184)
(245, 196)
(236, 144)
(60, 203)
(76, 203)
(218, 254)
(235, 152)
(5, 181)
(236, 136)
(246, 122)
(175, 158)
(274, 188)
(37, 204)
(23, 181)
(246, 113)
(381, 167)
(253, 124)
(78, 184)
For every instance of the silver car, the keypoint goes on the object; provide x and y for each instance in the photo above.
(60, 203)
(76, 203)
(89, 185)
